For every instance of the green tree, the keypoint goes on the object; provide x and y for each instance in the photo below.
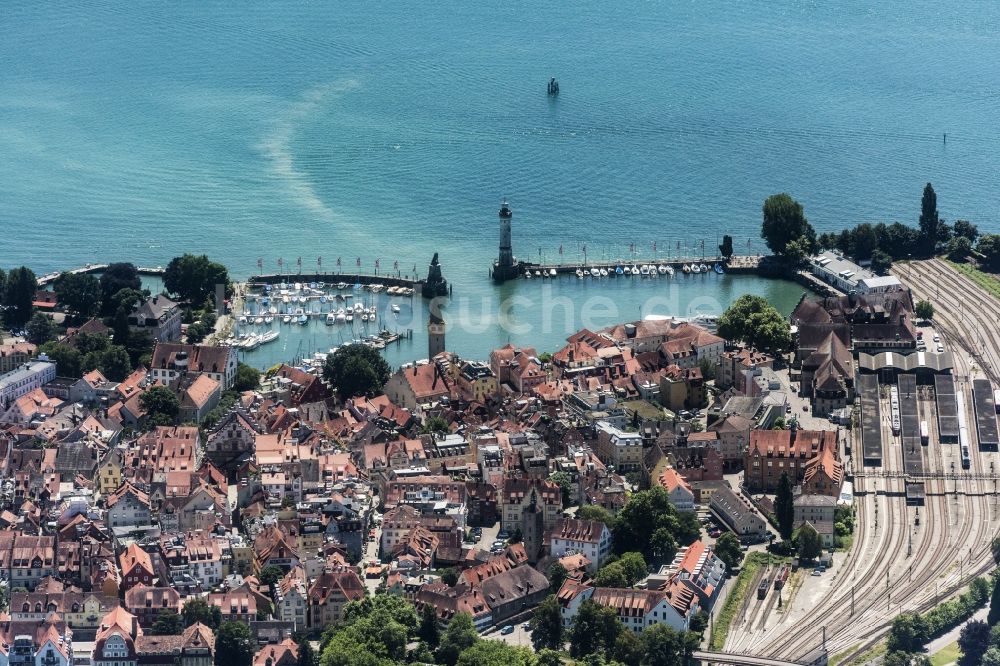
(966, 229)
(356, 370)
(929, 221)
(666, 647)
(67, 359)
(197, 609)
(140, 348)
(728, 549)
(495, 653)
(785, 223)
(383, 607)
(959, 248)
(196, 333)
(628, 649)
(168, 623)
(19, 295)
(429, 632)
(546, 625)
(234, 644)
(808, 542)
(989, 249)
(924, 310)
(634, 566)
(549, 658)
(994, 615)
(194, 278)
(754, 321)
(557, 576)
(881, 262)
(908, 633)
(565, 483)
(270, 575)
(78, 293)
(594, 629)
(307, 656)
(161, 405)
(991, 657)
(114, 363)
(435, 424)
(450, 576)
(39, 329)
(726, 249)
(114, 279)
(784, 506)
(598, 513)
(516, 535)
(864, 241)
(611, 575)
(460, 635)
(651, 525)
(974, 640)
(247, 378)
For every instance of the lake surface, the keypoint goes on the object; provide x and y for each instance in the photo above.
(391, 130)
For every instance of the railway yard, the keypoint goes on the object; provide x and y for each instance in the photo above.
(923, 461)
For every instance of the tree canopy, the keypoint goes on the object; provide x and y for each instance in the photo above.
(546, 625)
(924, 310)
(168, 623)
(356, 370)
(247, 378)
(40, 329)
(808, 542)
(79, 294)
(194, 278)
(161, 405)
(929, 221)
(785, 228)
(729, 550)
(755, 322)
(988, 248)
(19, 290)
(460, 635)
(784, 506)
(116, 277)
(651, 525)
(196, 609)
(234, 644)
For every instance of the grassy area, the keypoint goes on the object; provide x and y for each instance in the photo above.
(751, 565)
(839, 657)
(988, 282)
(949, 654)
(871, 655)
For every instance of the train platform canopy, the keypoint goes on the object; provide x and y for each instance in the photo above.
(915, 493)
(986, 415)
(947, 408)
(919, 363)
(871, 421)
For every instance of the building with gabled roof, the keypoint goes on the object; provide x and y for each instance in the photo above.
(590, 538)
(171, 360)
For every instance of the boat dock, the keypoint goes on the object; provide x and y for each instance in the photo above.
(385, 279)
(49, 278)
(736, 264)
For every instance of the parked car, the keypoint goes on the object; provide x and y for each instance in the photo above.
(940, 348)
(937, 338)
(526, 626)
(509, 629)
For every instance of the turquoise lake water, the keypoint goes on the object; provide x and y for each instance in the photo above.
(392, 130)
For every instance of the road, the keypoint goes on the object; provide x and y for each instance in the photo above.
(895, 565)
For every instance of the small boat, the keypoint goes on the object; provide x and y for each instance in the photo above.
(538, 274)
(686, 268)
(270, 336)
(704, 268)
(718, 269)
(595, 272)
(619, 270)
(604, 272)
(358, 308)
(341, 285)
(331, 319)
(553, 87)
(579, 273)
(695, 268)
(258, 321)
(297, 286)
(395, 308)
(527, 275)
(272, 310)
(287, 319)
(349, 317)
(303, 319)
(552, 272)
(322, 299)
(662, 269)
(635, 270)
(268, 319)
(242, 319)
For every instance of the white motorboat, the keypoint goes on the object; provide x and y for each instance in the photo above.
(662, 269)
(349, 317)
(595, 272)
(635, 270)
(270, 336)
(272, 310)
(604, 272)
(670, 270)
(695, 268)
(258, 321)
(686, 268)
(268, 319)
(331, 318)
(242, 319)
(704, 268)
(579, 272)
(303, 319)
(287, 319)
(552, 272)
(395, 308)
(527, 275)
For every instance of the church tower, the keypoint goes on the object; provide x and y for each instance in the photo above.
(435, 334)
(504, 268)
